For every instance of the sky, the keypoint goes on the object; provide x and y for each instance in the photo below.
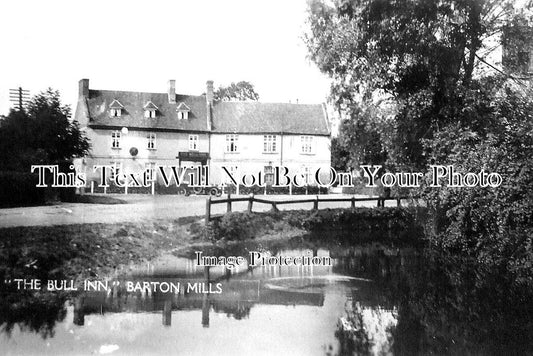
(140, 45)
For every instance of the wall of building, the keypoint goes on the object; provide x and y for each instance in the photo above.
(167, 147)
(251, 158)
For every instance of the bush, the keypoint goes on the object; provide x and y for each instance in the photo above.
(19, 188)
(387, 224)
(492, 224)
(241, 226)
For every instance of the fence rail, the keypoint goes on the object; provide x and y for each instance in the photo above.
(251, 199)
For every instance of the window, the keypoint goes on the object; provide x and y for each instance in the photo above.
(269, 175)
(116, 112)
(115, 139)
(149, 168)
(232, 143)
(269, 143)
(306, 144)
(150, 114)
(115, 169)
(193, 142)
(115, 108)
(183, 111)
(150, 110)
(183, 115)
(151, 141)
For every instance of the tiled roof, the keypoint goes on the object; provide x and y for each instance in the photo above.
(132, 115)
(183, 107)
(227, 117)
(257, 117)
(115, 104)
(150, 106)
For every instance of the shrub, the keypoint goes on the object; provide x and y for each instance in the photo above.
(19, 188)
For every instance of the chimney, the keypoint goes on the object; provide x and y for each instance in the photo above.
(83, 88)
(209, 92)
(172, 91)
(209, 102)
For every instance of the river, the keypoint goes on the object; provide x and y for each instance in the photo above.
(372, 300)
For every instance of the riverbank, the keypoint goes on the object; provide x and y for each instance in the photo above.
(359, 225)
(95, 250)
(87, 250)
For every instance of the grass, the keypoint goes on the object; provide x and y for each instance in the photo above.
(87, 250)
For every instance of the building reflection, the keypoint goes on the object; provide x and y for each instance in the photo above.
(246, 287)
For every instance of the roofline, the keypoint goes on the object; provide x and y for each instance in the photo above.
(159, 129)
(164, 129)
(216, 101)
(144, 92)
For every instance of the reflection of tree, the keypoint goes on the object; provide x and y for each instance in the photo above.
(454, 306)
(352, 334)
(445, 305)
(36, 312)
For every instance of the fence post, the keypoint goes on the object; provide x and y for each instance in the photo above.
(315, 203)
(229, 203)
(207, 210)
(274, 207)
(398, 202)
(250, 202)
(353, 203)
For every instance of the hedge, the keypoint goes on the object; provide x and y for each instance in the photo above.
(19, 188)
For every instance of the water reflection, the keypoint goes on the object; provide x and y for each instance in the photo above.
(373, 300)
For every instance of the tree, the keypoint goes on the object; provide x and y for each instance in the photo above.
(41, 134)
(419, 57)
(424, 60)
(242, 91)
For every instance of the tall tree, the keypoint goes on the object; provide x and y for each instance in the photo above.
(241, 91)
(42, 133)
(420, 57)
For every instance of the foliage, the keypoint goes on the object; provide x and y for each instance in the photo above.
(241, 226)
(359, 142)
(408, 79)
(41, 134)
(359, 224)
(241, 91)
(19, 188)
(443, 304)
(495, 225)
(401, 69)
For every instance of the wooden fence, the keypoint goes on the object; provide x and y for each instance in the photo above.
(251, 199)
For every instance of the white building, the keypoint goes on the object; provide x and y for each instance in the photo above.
(135, 130)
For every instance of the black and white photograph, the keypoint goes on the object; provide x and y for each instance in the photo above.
(232, 177)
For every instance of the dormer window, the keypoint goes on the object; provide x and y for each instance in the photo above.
(150, 110)
(115, 109)
(183, 111)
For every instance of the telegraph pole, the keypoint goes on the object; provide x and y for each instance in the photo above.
(19, 97)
